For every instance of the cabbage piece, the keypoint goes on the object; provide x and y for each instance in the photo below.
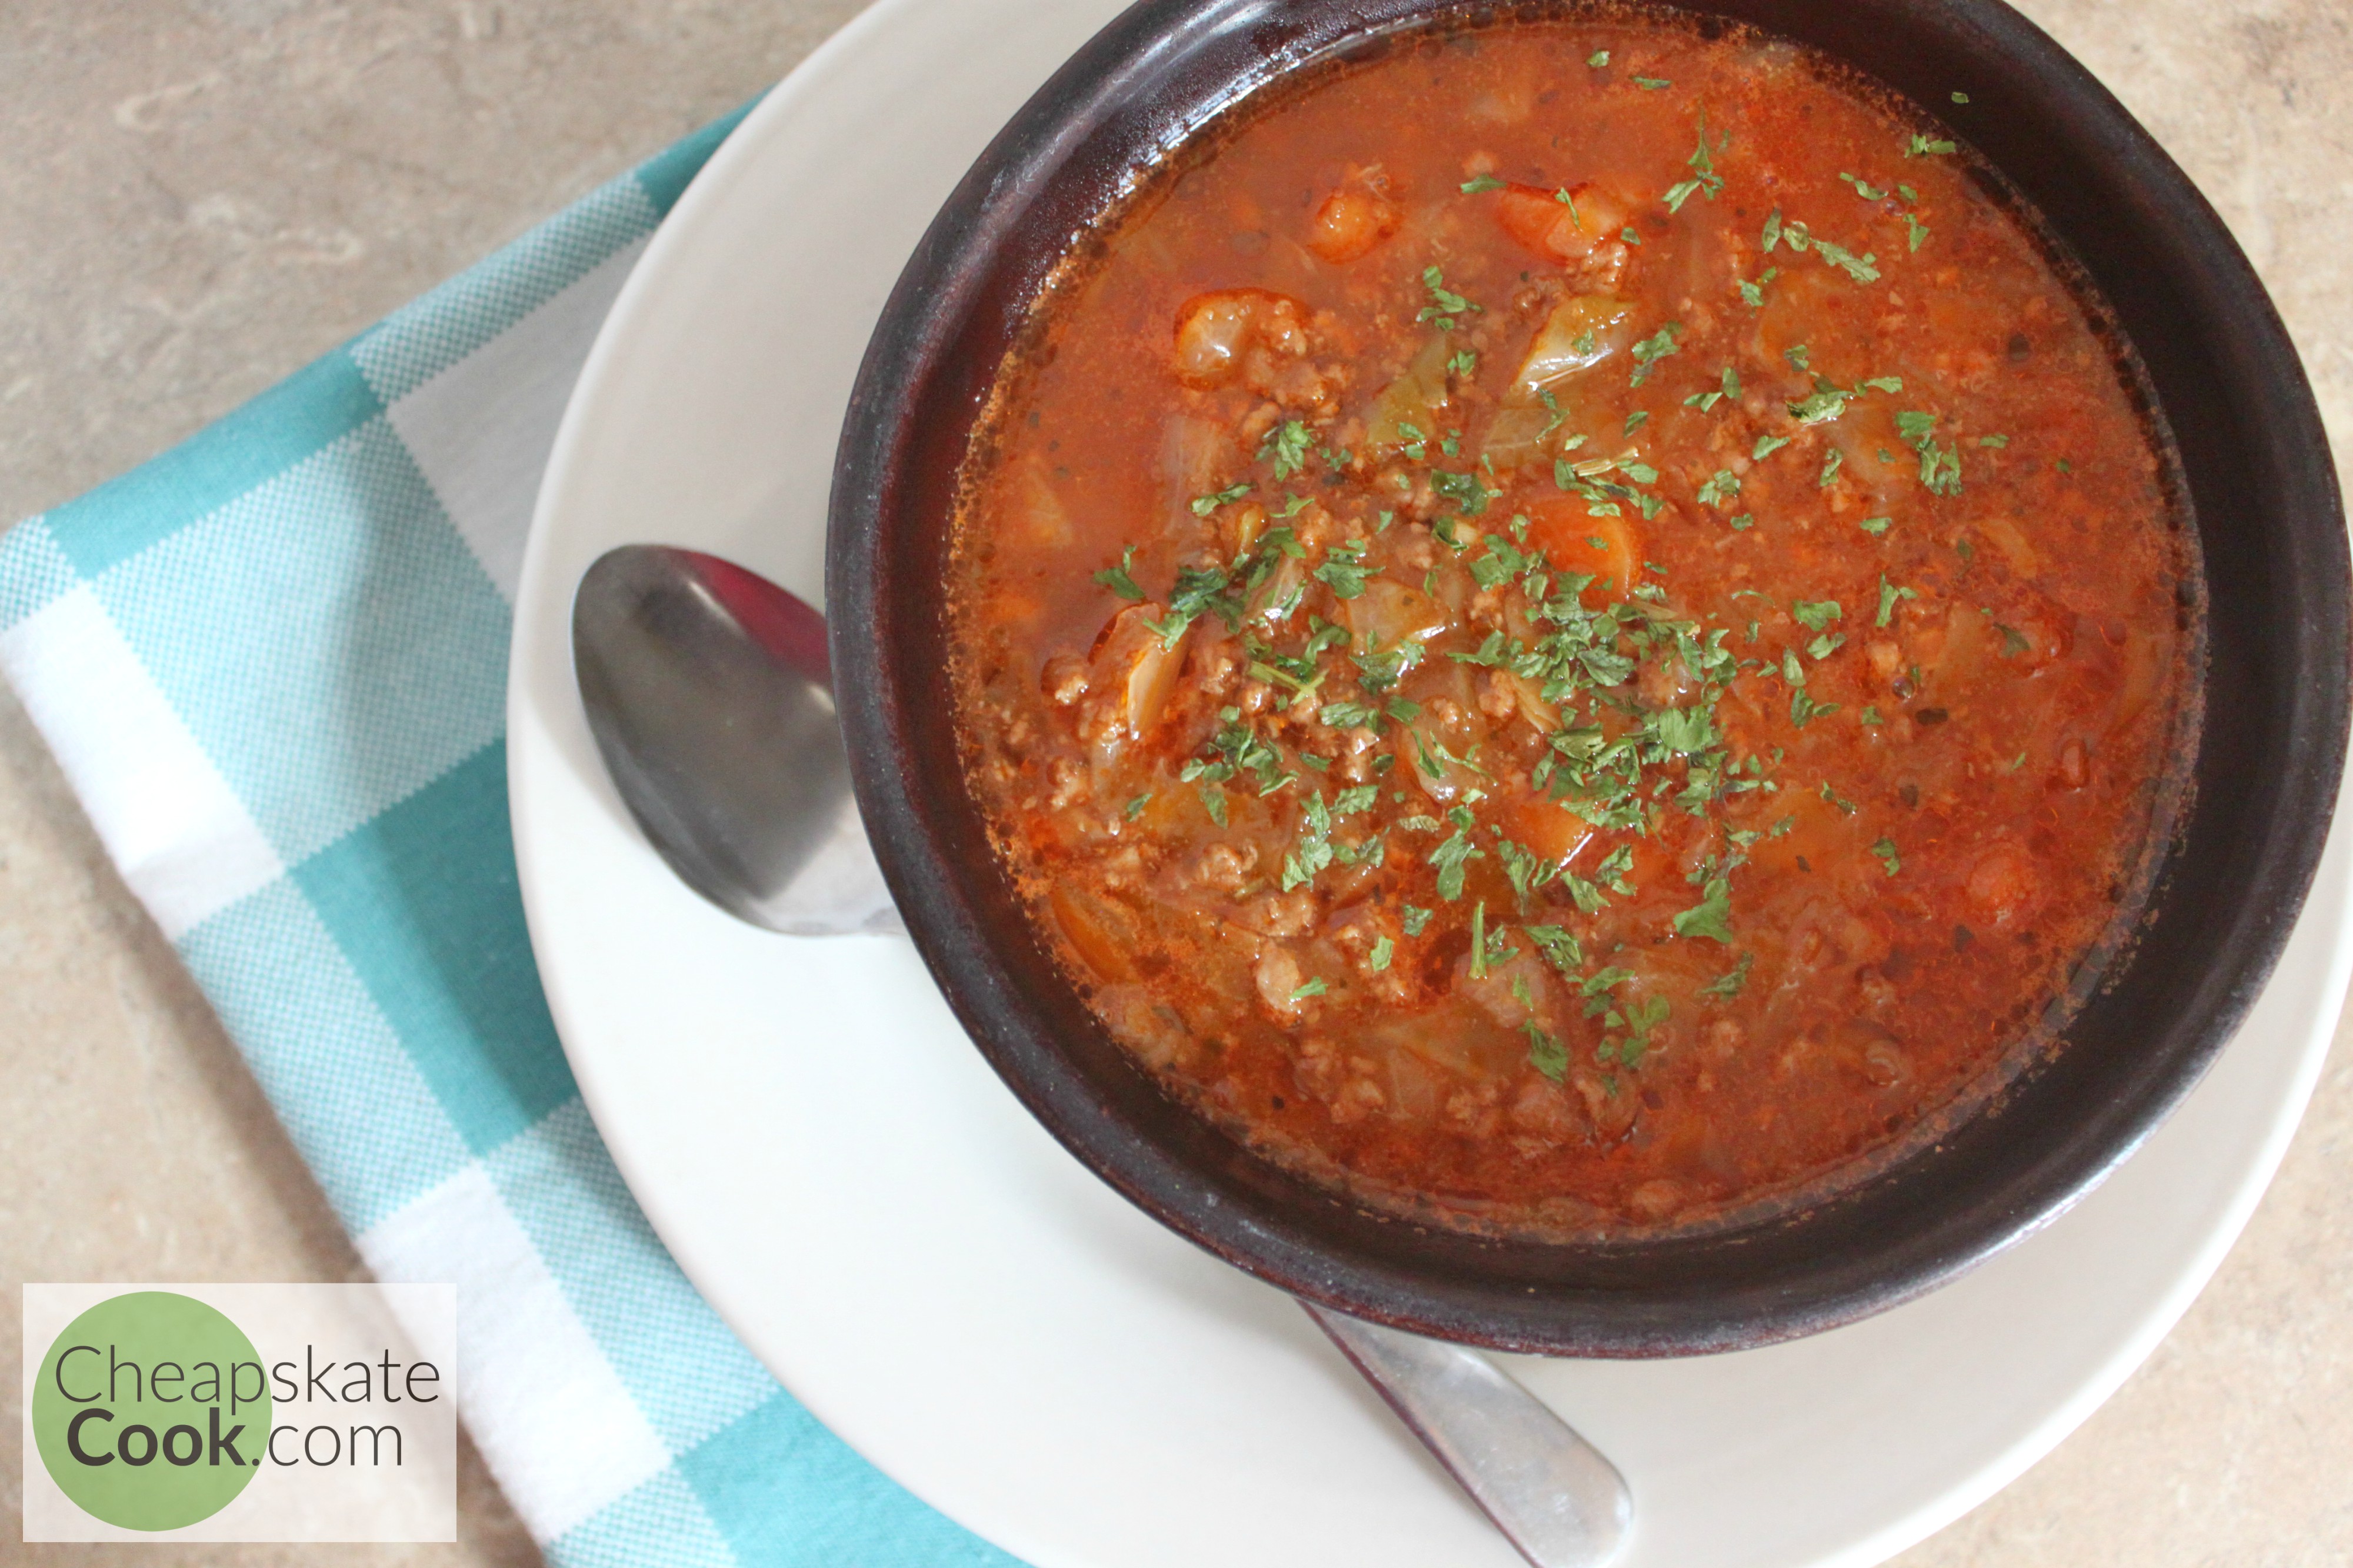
(1581, 333)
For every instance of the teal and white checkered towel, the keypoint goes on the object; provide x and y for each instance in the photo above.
(272, 662)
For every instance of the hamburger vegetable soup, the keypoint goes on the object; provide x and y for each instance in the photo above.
(1573, 626)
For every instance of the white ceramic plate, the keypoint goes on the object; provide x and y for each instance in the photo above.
(837, 1169)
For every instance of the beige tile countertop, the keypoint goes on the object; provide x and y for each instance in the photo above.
(198, 196)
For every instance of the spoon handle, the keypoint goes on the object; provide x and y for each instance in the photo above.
(1552, 1493)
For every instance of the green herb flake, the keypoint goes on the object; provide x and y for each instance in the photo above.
(1767, 446)
(1708, 918)
(1344, 569)
(1817, 614)
(1379, 959)
(1117, 578)
(1721, 487)
(1545, 1054)
(1659, 346)
(1651, 83)
(1597, 58)
(1917, 230)
(1287, 443)
(1876, 526)
(1888, 594)
(1925, 146)
(1213, 801)
(1315, 987)
(1861, 268)
(1560, 949)
(1480, 184)
(1885, 850)
(1445, 305)
(1204, 505)
(1960, 98)
(1725, 986)
(1804, 709)
(1135, 808)
(1414, 920)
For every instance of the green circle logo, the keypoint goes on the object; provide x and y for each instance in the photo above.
(151, 1411)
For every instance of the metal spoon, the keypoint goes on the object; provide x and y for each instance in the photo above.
(707, 689)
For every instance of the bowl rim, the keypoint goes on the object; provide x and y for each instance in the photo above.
(959, 283)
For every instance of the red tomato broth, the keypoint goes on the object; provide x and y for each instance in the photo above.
(1834, 911)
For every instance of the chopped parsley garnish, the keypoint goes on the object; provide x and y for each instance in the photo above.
(1314, 851)
(1702, 166)
(1204, 505)
(1919, 230)
(1940, 466)
(1545, 1054)
(1445, 305)
(1560, 949)
(1885, 850)
(1135, 808)
(1344, 569)
(1752, 294)
(1767, 446)
(1479, 184)
(1414, 920)
(1451, 859)
(1659, 346)
(1464, 363)
(1864, 188)
(1469, 492)
(1817, 614)
(1727, 386)
(1287, 444)
(1708, 917)
(1876, 526)
(1315, 987)
(1830, 466)
(1117, 578)
(1888, 594)
(1925, 146)
(1651, 83)
(1725, 986)
(1379, 959)
(1597, 58)
(1721, 487)
(1858, 267)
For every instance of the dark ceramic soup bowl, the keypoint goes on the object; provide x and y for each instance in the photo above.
(2265, 771)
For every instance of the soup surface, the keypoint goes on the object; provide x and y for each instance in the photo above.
(1573, 626)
